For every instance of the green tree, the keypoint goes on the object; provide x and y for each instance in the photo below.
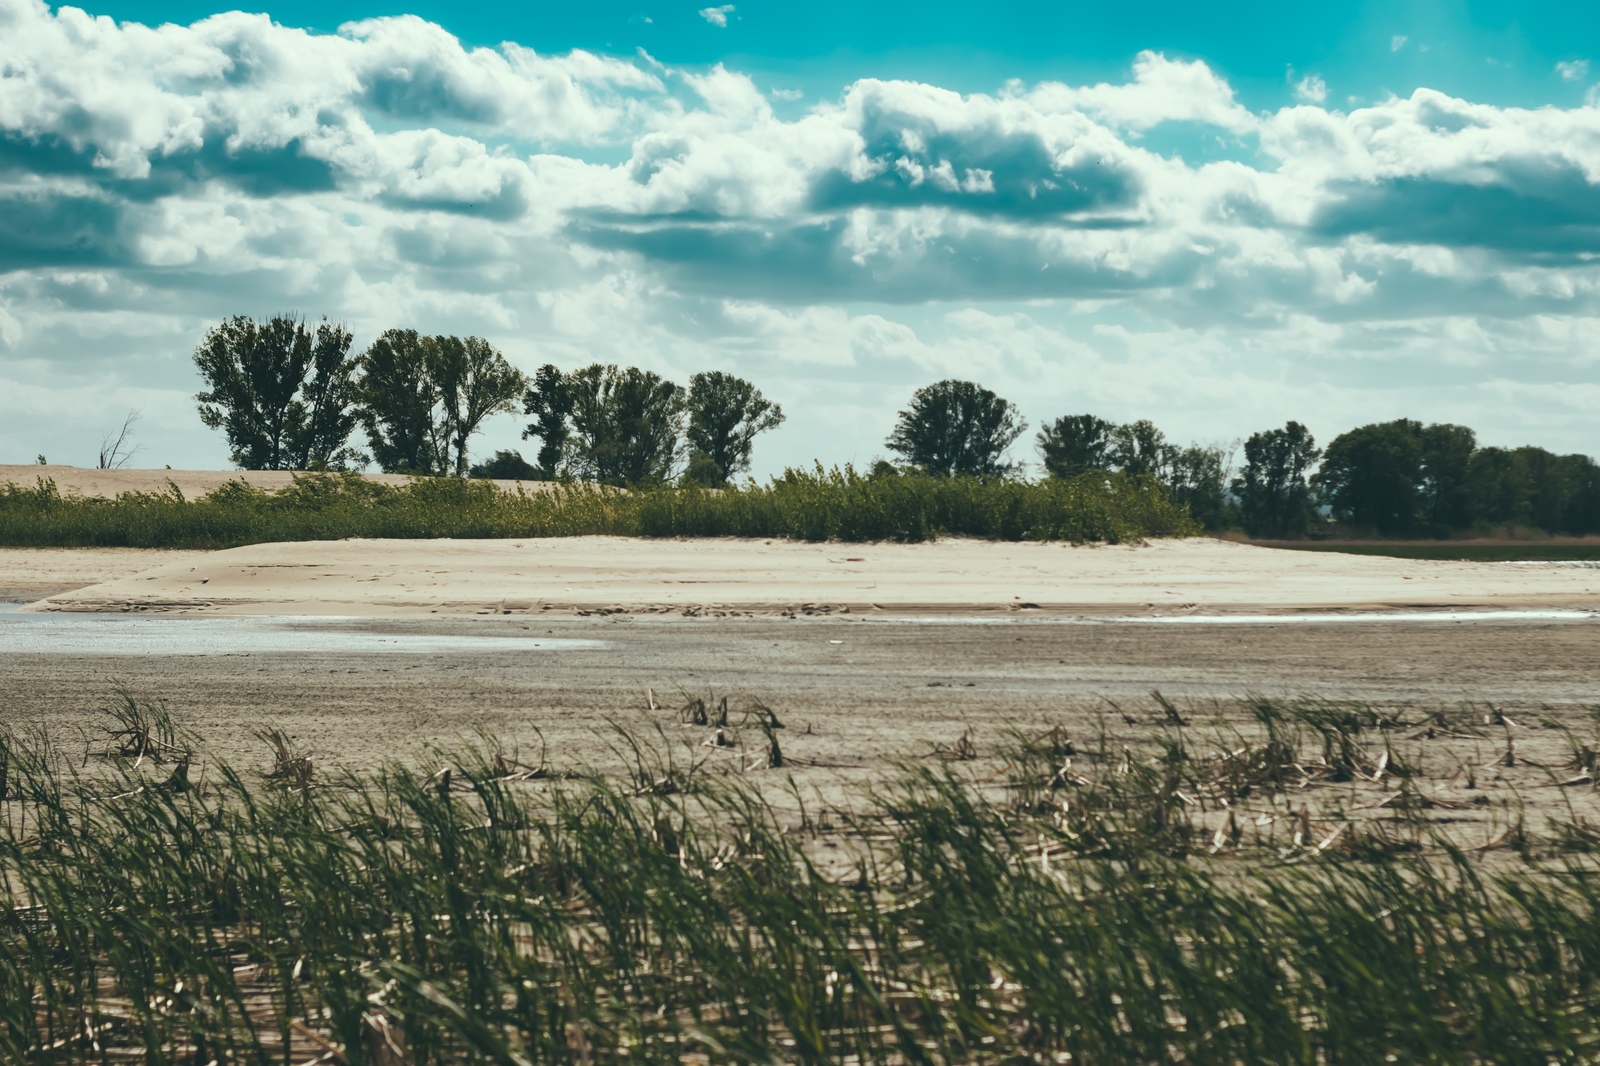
(1274, 498)
(1140, 448)
(725, 415)
(627, 425)
(398, 396)
(424, 398)
(957, 427)
(549, 401)
(472, 382)
(281, 392)
(1500, 487)
(1198, 478)
(1445, 492)
(1372, 476)
(507, 465)
(1075, 443)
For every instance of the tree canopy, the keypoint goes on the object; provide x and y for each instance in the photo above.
(957, 427)
(280, 391)
(726, 414)
(1274, 498)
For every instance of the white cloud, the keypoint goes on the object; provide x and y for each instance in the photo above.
(579, 206)
(1397, 42)
(717, 16)
(1573, 70)
(1311, 89)
(788, 94)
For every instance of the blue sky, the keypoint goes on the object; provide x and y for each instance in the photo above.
(1500, 51)
(1215, 219)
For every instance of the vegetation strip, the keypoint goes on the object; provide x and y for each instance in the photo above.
(1049, 900)
(814, 506)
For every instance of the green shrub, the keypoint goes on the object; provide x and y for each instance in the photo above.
(811, 505)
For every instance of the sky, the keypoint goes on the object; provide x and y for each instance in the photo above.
(1217, 217)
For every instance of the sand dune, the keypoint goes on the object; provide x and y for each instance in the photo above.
(85, 481)
(955, 576)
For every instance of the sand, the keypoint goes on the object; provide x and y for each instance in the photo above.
(956, 577)
(26, 574)
(85, 481)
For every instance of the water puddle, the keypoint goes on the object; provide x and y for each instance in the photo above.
(1580, 564)
(119, 634)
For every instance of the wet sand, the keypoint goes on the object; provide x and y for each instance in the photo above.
(851, 692)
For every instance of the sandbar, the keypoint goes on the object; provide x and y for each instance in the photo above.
(720, 577)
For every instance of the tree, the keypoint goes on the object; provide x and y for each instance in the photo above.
(1274, 498)
(117, 446)
(398, 395)
(424, 398)
(280, 392)
(725, 415)
(509, 466)
(549, 401)
(627, 425)
(957, 427)
(1372, 476)
(1445, 493)
(472, 382)
(1198, 478)
(1140, 448)
(1074, 444)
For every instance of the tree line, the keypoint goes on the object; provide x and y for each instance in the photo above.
(1397, 479)
(289, 396)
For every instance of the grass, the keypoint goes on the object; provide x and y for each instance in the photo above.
(817, 505)
(1557, 549)
(1051, 899)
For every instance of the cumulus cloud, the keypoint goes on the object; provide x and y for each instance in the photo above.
(579, 206)
(717, 16)
(1573, 70)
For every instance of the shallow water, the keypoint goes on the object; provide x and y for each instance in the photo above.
(119, 634)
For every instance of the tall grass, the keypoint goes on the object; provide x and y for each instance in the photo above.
(1067, 906)
(816, 505)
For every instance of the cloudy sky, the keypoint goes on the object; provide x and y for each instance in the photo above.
(1144, 211)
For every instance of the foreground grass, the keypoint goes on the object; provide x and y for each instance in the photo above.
(1071, 902)
(819, 505)
(1486, 551)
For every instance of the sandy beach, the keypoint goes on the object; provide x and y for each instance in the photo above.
(416, 578)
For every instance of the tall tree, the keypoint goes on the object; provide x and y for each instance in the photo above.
(1274, 498)
(1140, 448)
(398, 396)
(549, 401)
(1372, 476)
(627, 425)
(472, 382)
(957, 427)
(1075, 443)
(1445, 492)
(725, 415)
(280, 391)
(1198, 478)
